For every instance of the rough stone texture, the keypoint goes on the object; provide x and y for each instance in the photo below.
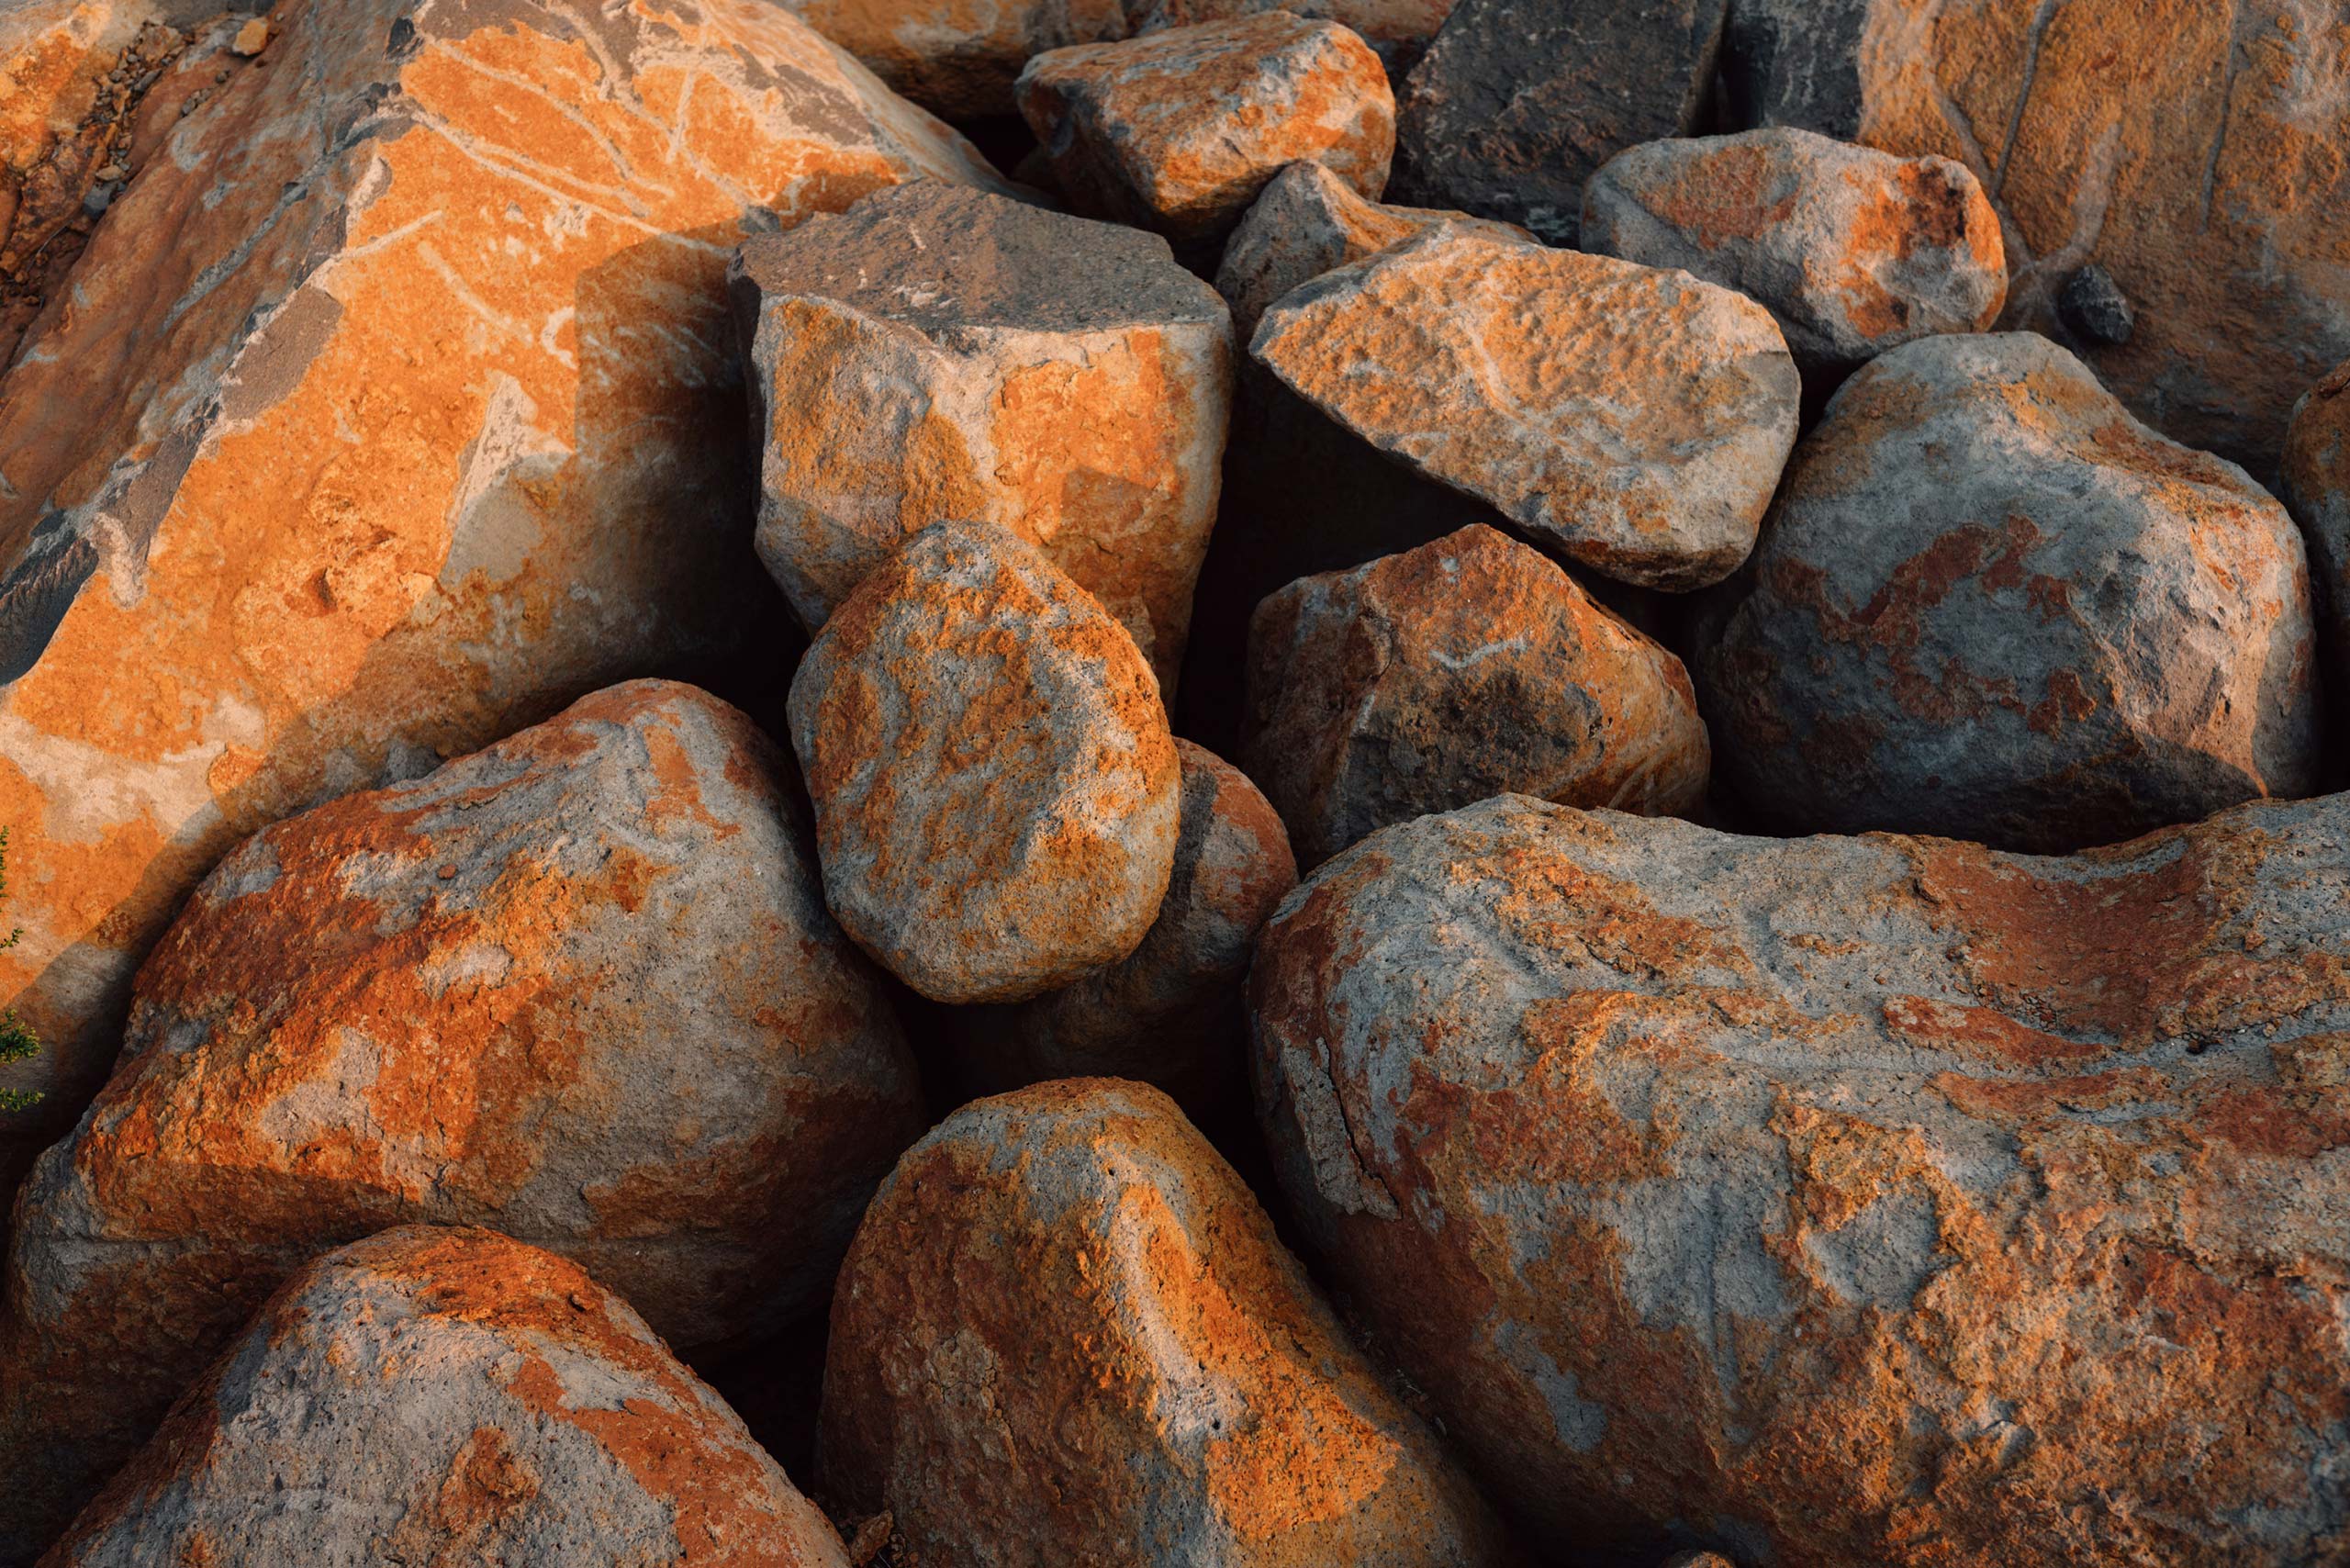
(2317, 488)
(1633, 420)
(1067, 1333)
(2192, 150)
(1307, 222)
(940, 351)
(997, 794)
(1469, 668)
(446, 1397)
(1179, 130)
(1845, 1201)
(580, 986)
(1991, 604)
(1518, 102)
(1852, 251)
(423, 422)
(1171, 1013)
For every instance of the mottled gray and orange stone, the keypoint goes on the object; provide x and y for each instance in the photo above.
(2317, 489)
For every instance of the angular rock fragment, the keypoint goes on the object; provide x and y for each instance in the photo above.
(1466, 668)
(1992, 604)
(1632, 420)
(1852, 251)
(997, 794)
(1886, 1201)
(580, 985)
(941, 351)
(447, 1396)
(1068, 1333)
(2317, 488)
(1179, 130)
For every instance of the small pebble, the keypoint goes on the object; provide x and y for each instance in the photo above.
(251, 38)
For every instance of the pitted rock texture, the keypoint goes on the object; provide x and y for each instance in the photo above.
(580, 985)
(1171, 1013)
(1469, 668)
(450, 1396)
(2317, 488)
(1067, 1333)
(392, 406)
(1516, 103)
(2192, 151)
(1307, 222)
(1178, 131)
(939, 351)
(997, 793)
(1886, 1201)
(1991, 604)
(1632, 420)
(1854, 251)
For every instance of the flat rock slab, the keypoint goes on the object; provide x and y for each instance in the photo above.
(1888, 1201)
(1632, 420)
(458, 1398)
(1178, 131)
(941, 351)
(1068, 1333)
(997, 793)
(1990, 603)
(2317, 489)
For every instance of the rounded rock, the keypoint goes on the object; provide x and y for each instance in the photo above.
(2317, 488)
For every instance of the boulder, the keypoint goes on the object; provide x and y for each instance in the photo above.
(1632, 420)
(1852, 251)
(1469, 668)
(1992, 604)
(450, 1396)
(1516, 103)
(997, 793)
(1178, 131)
(580, 986)
(2317, 488)
(1067, 1333)
(1878, 1201)
(943, 351)
(393, 407)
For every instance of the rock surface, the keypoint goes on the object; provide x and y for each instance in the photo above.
(1632, 420)
(1885, 1201)
(940, 351)
(1852, 251)
(1991, 604)
(997, 793)
(2317, 488)
(1068, 1333)
(580, 986)
(1178, 131)
(1469, 668)
(459, 1398)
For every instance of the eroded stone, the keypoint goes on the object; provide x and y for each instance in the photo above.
(2317, 488)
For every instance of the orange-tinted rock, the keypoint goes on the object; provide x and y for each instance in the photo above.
(997, 794)
(939, 351)
(393, 407)
(2317, 488)
(580, 986)
(436, 1396)
(1842, 1201)
(1179, 130)
(1632, 420)
(1067, 1333)
(1469, 668)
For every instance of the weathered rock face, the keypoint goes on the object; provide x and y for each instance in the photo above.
(580, 985)
(1178, 131)
(1068, 1333)
(2317, 488)
(1854, 251)
(1517, 102)
(1992, 604)
(2191, 150)
(1466, 668)
(460, 1398)
(997, 794)
(940, 351)
(421, 424)
(1887, 1200)
(1171, 1013)
(1635, 420)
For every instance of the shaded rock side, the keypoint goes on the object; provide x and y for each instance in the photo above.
(2317, 489)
